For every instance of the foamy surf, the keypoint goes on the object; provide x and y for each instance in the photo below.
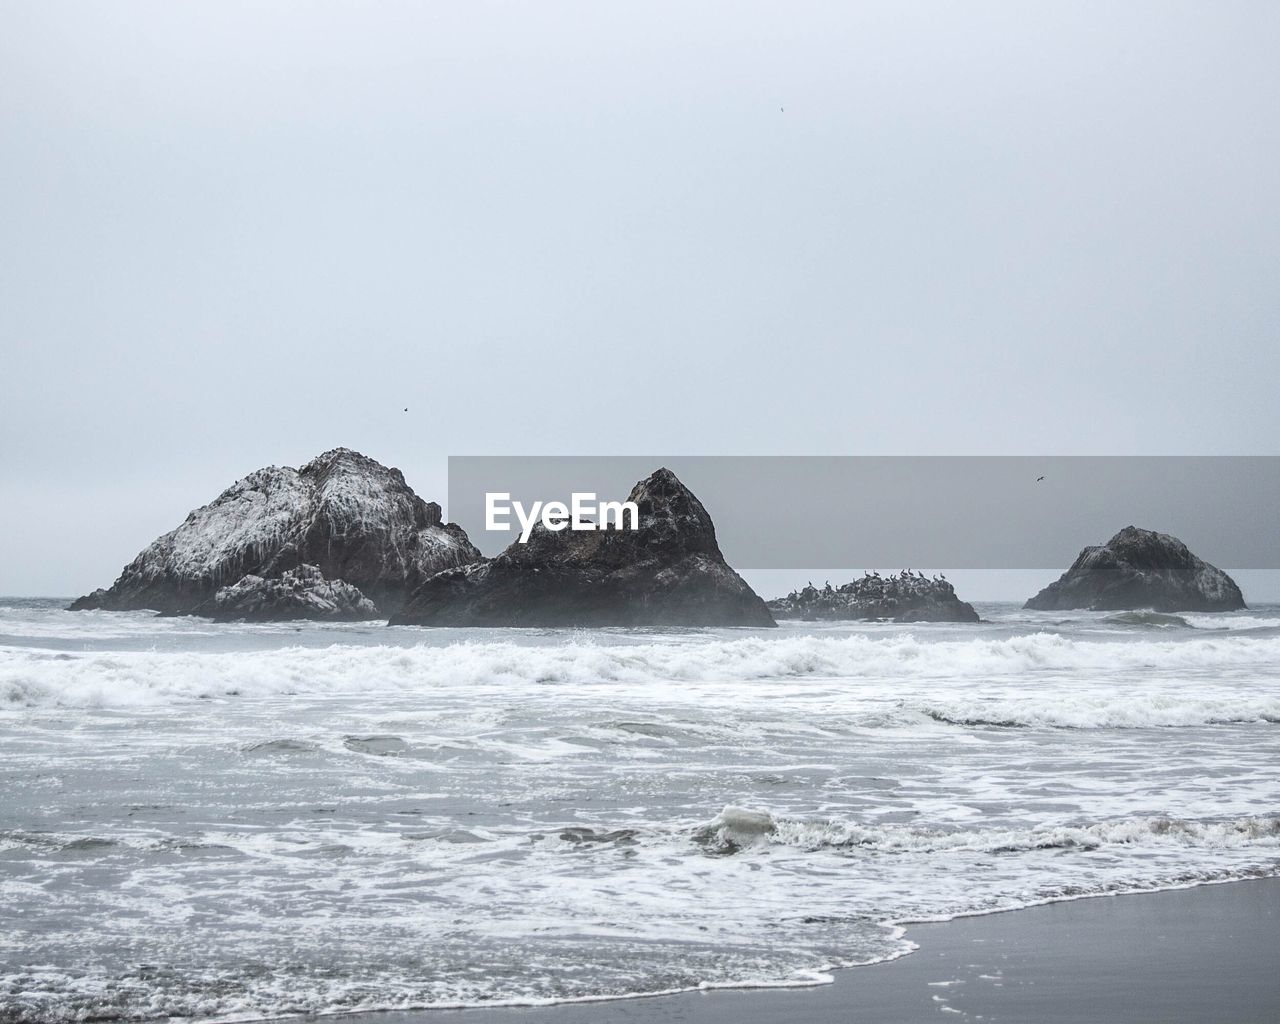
(136, 678)
(357, 819)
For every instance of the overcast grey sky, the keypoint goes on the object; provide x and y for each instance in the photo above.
(236, 234)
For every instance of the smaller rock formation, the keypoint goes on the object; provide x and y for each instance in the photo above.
(1140, 569)
(907, 597)
(301, 593)
(667, 572)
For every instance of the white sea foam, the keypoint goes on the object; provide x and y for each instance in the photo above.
(131, 678)
(810, 835)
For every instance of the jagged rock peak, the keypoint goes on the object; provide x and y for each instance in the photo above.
(667, 572)
(343, 512)
(1140, 568)
(342, 476)
(670, 514)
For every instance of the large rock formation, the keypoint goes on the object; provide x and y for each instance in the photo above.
(668, 572)
(352, 518)
(1140, 569)
(301, 593)
(907, 597)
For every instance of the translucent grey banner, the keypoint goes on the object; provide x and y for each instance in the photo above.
(969, 512)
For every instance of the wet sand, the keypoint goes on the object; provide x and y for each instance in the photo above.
(1192, 956)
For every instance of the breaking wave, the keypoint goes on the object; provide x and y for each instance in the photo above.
(738, 828)
(136, 678)
(1148, 618)
(1103, 711)
(1231, 622)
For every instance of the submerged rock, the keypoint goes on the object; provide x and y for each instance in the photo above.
(351, 517)
(1140, 569)
(668, 572)
(907, 597)
(301, 593)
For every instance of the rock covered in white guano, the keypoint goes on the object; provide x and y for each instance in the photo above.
(668, 572)
(351, 517)
(907, 597)
(301, 593)
(1140, 569)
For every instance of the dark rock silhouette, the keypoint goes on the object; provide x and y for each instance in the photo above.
(301, 593)
(1140, 569)
(354, 519)
(907, 597)
(668, 572)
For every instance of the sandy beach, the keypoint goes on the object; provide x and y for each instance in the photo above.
(1192, 956)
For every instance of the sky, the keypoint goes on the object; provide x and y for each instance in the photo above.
(240, 234)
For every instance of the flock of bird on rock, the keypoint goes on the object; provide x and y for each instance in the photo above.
(874, 587)
(872, 593)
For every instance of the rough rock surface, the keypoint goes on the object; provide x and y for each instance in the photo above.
(668, 572)
(1140, 569)
(353, 518)
(907, 597)
(301, 593)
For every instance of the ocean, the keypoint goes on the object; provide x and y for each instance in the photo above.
(226, 821)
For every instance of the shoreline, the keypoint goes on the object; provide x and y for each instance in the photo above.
(1081, 959)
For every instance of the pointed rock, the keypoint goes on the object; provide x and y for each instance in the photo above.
(352, 518)
(1140, 569)
(668, 572)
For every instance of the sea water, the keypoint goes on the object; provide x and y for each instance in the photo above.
(236, 821)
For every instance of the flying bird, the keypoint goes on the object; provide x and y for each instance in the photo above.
(406, 408)
(1039, 478)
